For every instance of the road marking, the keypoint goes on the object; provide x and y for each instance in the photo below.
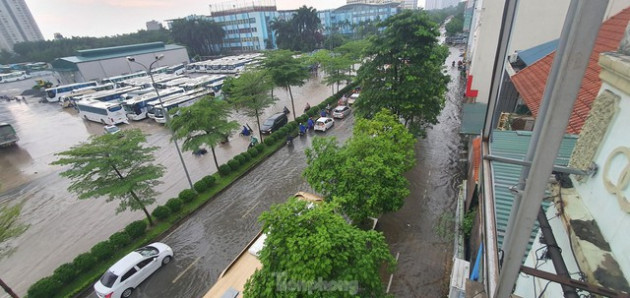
(391, 276)
(250, 209)
(186, 270)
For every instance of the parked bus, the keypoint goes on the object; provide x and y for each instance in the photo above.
(145, 82)
(156, 111)
(203, 81)
(173, 83)
(136, 107)
(8, 136)
(13, 76)
(102, 111)
(68, 100)
(117, 79)
(178, 69)
(54, 94)
(117, 95)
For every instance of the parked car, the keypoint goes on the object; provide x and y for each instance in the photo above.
(273, 123)
(324, 123)
(353, 98)
(111, 129)
(341, 112)
(123, 277)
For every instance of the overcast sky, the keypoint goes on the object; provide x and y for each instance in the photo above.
(109, 17)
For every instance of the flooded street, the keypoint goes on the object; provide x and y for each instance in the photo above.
(61, 226)
(424, 264)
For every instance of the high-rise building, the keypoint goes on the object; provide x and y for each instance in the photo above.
(16, 24)
(439, 4)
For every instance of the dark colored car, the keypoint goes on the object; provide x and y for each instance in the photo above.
(273, 123)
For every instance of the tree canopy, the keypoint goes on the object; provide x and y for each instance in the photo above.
(365, 175)
(404, 71)
(455, 25)
(301, 32)
(202, 37)
(336, 67)
(9, 225)
(203, 123)
(310, 251)
(114, 165)
(250, 92)
(285, 71)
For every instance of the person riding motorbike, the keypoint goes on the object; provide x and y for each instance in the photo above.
(302, 129)
(453, 64)
(322, 113)
(253, 142)
(307, 107)
(245, 132)
(311, 123)
(285, 110)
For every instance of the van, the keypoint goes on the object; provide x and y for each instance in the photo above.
(273, 123)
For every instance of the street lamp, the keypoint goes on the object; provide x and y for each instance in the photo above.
(167, 117)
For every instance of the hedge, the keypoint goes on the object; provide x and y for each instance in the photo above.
(44, 288)
(120, 239)
(136, 229)
(102, 250)
(84, 262)
(225, 169)
(241, 160)
(234, 164)
(65, 273)
(253, 152)
(209, 180)
(175, 204)
(161, 212)
(187, 195)
(245, 156)
(200, 186)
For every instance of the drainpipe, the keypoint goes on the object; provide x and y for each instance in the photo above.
(580, 39)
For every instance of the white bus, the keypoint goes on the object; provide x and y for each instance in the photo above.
(117, 79)
(137, 108)
(178, 69)
(156, 112)
(68, 100)
(13, 76)
(118, 94)
(203, 82)
(54, 94)
(102, 111)
(145, 82)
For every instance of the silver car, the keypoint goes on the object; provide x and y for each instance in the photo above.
(341, 112)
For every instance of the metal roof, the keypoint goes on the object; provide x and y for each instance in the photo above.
(531, 55)
(514, 144)
(117, 52)
(473, 117)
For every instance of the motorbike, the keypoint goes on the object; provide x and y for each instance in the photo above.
(286, 111)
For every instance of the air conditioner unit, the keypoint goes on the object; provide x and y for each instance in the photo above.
(512, 58)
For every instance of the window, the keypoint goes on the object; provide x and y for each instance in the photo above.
(129, 273)
(108, 279)
(145, 262)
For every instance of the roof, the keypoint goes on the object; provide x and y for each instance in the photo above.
(534, 54)
(514, 144)
(530, 82)
(125, 263)
(476, 157)
(115, 52)
(474, 115)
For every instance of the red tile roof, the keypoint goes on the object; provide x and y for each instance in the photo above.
(530, 82)
(476, 157)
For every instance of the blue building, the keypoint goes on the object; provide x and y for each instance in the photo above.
(345, 18)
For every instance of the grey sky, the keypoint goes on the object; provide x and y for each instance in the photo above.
(109, 17)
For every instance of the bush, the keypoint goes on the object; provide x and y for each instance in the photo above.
(45, 287)
(65, 273)
(161, 212)
(84, 262)
(209, 180)
(102, 250)
(187, 195)
(120, 239)
(175, 204)
(245, 157)
(312, 112)
(253, 152)
(136, 229)
(225, 169)
(248, 155)
(259, 148)
(302, 119)
(241, 160)
(200, 186)
(234, 164)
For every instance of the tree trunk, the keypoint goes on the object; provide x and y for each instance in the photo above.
(146, 212)
(7, 289)
(258, 123)
(214, 155)
(292, 103)
(135, 197)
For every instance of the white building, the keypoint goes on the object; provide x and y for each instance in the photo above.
(16, 24)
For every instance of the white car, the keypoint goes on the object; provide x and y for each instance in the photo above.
(341, 112)
(123, 277)
(324, 123)
(111, 129)
(353, 98)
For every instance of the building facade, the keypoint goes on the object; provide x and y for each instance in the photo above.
(16, 24)
(439, 4)
(96, 64)
(154, 25)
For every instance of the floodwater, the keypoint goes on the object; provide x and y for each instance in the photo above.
(424, 263)
(60, 225)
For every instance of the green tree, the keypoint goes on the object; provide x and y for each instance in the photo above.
(285, 34)
(250, 92)
(314, 244)
(455, 25)
(285, 71)
(201, 36)
(404, 72)
(203, 123)
(114, 165)
(336, 67)
(301, 32)
(9, 225)
(365, 176)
